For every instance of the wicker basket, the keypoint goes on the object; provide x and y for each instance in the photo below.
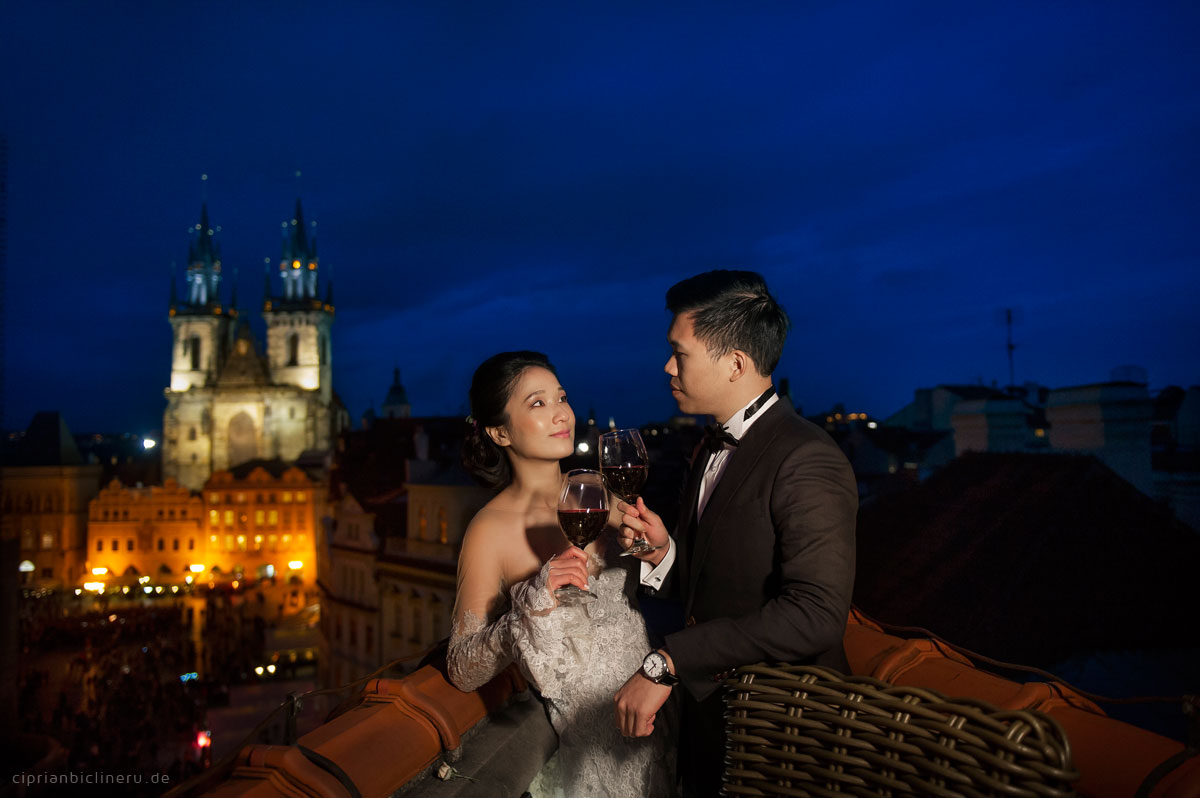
(807, 731)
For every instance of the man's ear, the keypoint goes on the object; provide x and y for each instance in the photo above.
(499, 435)
(739, 365)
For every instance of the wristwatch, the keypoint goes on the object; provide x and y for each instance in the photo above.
(654, 668)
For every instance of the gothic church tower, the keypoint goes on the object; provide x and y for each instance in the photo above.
(202, 330)
(298, 321)
(228, 403)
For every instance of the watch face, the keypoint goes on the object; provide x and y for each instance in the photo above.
(654, 665)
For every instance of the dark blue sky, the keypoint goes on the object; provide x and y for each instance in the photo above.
(496, 176)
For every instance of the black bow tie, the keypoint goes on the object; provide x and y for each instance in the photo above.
(716, 437)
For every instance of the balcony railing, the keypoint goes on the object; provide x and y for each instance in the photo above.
(395, 735)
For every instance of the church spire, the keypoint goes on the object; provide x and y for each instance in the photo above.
(233, 293)
(298, 260)
(204, 265)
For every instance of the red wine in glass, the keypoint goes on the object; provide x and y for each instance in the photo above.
(624, 464)
(582, 526)
(626, 481)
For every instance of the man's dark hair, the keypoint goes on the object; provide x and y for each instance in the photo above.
(733, 310)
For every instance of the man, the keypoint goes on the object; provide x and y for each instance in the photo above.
(763, 555)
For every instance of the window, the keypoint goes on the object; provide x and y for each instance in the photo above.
(195, 352)
(160, 544)
(116, 545)
(441, 525)
(300, 496)
(287, 496)
(353, 632)
(47, 540)
(191, 433)
(99, 545)
(191, 544)
(129, 544)
(214, 498)
(273, 542)
(260, 517)
(214, 517)
(229, 518)
(323, 354)
(369, 637)
(175, 544)
(415, 609)
(293, 350)
(272, 517)
(398, 617)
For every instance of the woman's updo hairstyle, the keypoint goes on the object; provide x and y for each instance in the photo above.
(491, 388)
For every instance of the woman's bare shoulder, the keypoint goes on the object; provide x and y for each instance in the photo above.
(495, 520)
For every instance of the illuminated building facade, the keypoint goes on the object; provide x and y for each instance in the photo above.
(46, 487)
(227, 402)
(136, 532)
(255, 523)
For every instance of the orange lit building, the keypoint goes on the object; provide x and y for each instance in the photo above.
(261, 520)
(254, 523)
(136, 532)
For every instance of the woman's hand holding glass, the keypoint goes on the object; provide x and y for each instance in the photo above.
(568, 568)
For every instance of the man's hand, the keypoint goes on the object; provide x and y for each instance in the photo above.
(639, 522)
(637, 703)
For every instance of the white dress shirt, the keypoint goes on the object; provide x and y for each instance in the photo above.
(653, 576)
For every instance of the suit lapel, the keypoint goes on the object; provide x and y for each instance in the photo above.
(685, 536)
(741, 463)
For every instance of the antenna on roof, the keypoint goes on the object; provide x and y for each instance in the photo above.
(1011, 315)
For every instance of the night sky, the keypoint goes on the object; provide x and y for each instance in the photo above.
(491, 176)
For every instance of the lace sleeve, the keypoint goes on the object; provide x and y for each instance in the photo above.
(483, 638)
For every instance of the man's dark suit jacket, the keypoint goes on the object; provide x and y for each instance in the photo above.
(765, 575)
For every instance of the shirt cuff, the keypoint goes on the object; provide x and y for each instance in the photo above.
(653, 575)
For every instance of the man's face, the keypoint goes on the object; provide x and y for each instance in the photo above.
(698, 382)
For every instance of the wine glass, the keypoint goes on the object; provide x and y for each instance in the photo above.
(625, 466)
(582, 514)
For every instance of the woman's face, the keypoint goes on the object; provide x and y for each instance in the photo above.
(540, 424)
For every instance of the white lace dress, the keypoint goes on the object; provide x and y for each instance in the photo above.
(577, 658)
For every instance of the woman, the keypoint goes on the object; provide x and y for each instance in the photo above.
(513, 558)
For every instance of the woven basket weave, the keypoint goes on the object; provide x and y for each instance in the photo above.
(806, 731)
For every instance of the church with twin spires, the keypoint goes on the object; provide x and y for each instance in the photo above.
(228, 402)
